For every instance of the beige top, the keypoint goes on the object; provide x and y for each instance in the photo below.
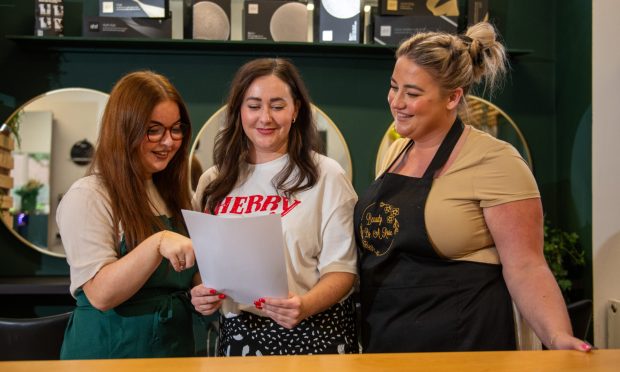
(84, 218)
(486, 172)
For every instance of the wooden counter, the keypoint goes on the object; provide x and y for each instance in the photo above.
(562, 361)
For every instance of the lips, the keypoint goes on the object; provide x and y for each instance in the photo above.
(265, 131)
(402, 116)
(161, 154)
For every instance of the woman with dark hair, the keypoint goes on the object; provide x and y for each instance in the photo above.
(463, 213)
(266, 161)
(131, 265)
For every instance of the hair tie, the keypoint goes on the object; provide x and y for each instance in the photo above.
(466, 39)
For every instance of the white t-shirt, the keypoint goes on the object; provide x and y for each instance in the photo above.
(317, 223)
(84, 218)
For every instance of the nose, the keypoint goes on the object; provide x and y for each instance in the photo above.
(265, 115)
(167, 139)
(396, 99)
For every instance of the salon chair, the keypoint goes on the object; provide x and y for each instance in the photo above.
(580, 314)
(32, 338)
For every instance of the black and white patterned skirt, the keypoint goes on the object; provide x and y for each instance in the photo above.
(331, 332)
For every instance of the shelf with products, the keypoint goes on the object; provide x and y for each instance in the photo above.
(185, 46)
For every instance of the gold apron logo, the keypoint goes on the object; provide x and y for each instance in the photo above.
(378, 228)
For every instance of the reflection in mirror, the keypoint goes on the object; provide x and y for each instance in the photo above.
(333, 144)
(46, 163)
(478, 113)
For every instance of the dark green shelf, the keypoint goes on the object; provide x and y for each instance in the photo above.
(185, 46)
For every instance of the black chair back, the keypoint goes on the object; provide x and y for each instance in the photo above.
(580, 314)
(32, 338)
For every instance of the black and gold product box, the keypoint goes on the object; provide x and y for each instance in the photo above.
(275, 20)
(477, 11)
(419, 7)
(337, 21)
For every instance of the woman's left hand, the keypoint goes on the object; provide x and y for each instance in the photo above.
(565, 341)
(286, 312)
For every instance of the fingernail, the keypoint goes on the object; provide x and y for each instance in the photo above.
(586, 346)
(221, 295)
(261, 300)
(259, 307)
(213, 291)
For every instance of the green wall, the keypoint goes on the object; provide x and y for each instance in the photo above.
(548, 94)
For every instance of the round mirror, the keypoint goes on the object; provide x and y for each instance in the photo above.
(478, 113)
(57, 132)
(332, 143)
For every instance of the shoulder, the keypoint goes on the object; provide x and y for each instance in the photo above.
(207, 177)
(485, 145)
(333, 177)
(328, 166)
(91, 186)
(392, 153)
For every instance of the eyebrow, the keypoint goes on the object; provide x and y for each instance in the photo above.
(276, 99)
(410, 86)
(163, 125)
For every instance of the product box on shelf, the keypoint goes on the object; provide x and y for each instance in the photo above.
(133, 8)
(477, 11)
(391, 30)
(276, 20)
(337, 21)
(94, 26)
(48, 17)
(210, 20)
(419, 7)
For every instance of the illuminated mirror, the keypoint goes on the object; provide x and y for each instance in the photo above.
(58, 132)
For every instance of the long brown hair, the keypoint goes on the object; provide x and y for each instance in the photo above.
(117, 159)
(231, 143)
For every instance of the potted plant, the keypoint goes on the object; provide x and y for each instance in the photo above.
(28, 193)
(563, 253)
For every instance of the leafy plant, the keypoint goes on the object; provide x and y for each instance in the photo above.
(13, 123)
(562, 251)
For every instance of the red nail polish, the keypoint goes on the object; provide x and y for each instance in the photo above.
(259, 307)
(221, 295)
(585, 346)
(213, 291)
(261, 300)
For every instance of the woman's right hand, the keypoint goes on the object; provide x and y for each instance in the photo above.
(206, 301)
(177, 249)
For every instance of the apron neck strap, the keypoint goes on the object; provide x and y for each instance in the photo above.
(445, 149)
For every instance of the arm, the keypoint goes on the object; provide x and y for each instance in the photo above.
(516, 228)
(330, 289)
(116, 282)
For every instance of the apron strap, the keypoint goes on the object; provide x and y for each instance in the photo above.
(445, 149)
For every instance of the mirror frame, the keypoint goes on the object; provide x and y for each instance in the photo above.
(315, 109)
(385, 140)
(20, 109)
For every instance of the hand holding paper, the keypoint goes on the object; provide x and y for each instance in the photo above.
(241, 257)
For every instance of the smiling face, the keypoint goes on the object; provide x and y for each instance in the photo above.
(418, 105)
(267, 111)
(155, 156)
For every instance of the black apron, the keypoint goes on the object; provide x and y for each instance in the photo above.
(412, 299)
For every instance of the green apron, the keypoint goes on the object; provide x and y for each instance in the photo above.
(155, 322)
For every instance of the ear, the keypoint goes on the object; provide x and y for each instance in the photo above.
(296, 112)
(454, 98)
